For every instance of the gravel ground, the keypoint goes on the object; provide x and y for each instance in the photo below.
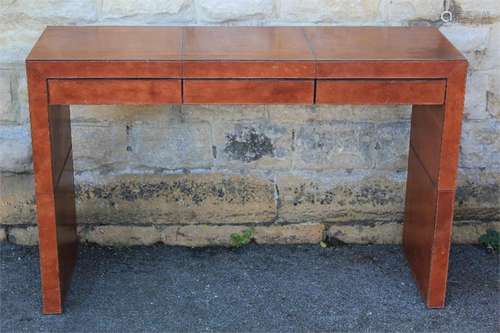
(256, 288)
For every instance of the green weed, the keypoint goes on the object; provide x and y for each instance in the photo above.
(490, 240)
(240, 239)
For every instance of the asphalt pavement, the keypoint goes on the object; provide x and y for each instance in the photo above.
(365, 288)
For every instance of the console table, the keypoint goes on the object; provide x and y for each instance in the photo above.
(250, 65)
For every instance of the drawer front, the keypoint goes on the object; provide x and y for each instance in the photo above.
(248, 91)
(423, 92)
(115, 91)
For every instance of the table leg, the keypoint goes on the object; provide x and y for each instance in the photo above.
(54, 189)
(430, 189)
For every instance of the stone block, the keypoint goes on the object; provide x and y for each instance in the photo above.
(125, 114)
(398, 12)
(492, 49)
(342, 197)
(347, 145)
(300, 114)
(23, 235)
(334, 145)
(480, 146)
(478, 196)
(493, 94)
(200, 235)
(118, 235)
(13, 95)
(469, 233)
(70, 9)
(17, 37)
(304, 233)
(146, 10)
(17, 199)
(219, 113)
(391, 142)
(22, 22)
(100, 147)
(7, 110)
(475, 96)
(21, 96)
(175, 199)
(472, 41)
(15, 149)
(392, 233)
(252, 144)
(329, 11)
(210, 235)
(172, 146)
(376, 233)
(221, 11)
(470, 11)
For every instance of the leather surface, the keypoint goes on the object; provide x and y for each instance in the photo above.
(148, 65)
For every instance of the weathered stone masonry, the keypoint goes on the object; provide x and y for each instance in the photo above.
(193, 175)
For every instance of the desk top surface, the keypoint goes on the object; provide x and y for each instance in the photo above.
(106, 43)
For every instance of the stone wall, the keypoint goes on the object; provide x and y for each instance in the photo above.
(193, 175)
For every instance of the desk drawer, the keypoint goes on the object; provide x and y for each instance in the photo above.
(380, 91)
(248, 91)
(115, 91)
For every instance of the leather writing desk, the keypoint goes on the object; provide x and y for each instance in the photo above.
(250, 65)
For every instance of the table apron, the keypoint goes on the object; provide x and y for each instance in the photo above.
(246, 91)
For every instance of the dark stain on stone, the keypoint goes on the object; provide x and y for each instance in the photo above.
(345, 195)
(214, 151)
(424, 22)
(458, 16)
(477, 214)
(455, 9)
(484, 194)
(128, 129)
(479, 20)
(197, 198)
(248, 145)
(277, 196)
(327, 198)
(185, 190)
(303, 196)
(377, 195)
(474, 202)
(100, 193)
(333, 241)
